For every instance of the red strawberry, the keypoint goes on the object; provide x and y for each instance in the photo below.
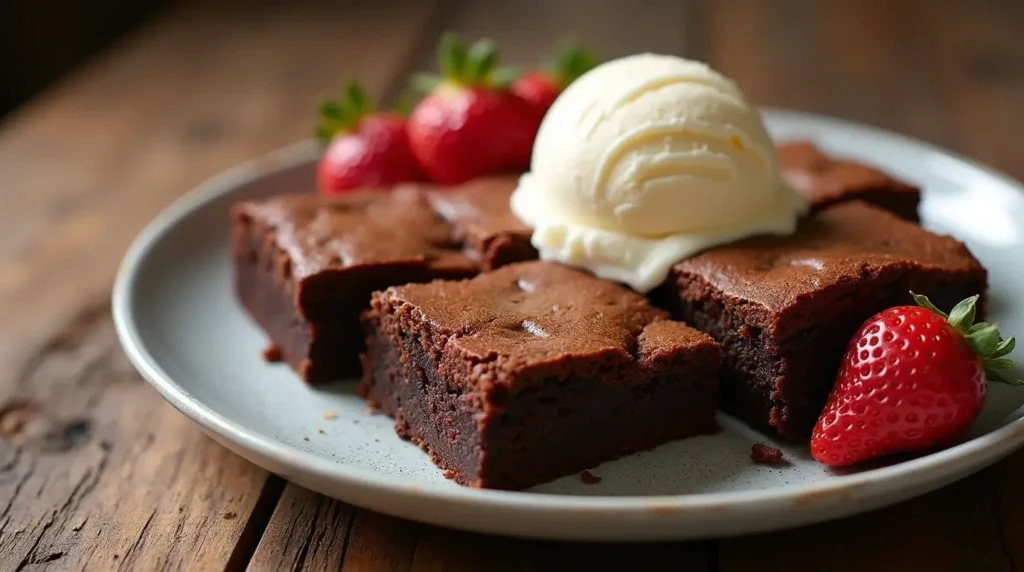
(912, 378)
(470, 124)
(364, 148)
(540, 87)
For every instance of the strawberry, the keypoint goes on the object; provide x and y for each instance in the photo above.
(363, 147)
(470, 124)
(542, 86)
(912, 378)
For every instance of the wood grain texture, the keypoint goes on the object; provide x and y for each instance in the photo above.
(980, 78)
(306, 532)
(954, 529)
(96, 471)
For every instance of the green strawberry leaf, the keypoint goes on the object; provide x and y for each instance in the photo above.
(342, 114)
(984, 340)
(1001, 363)
(977, 327)
(483, 55)
(357, 100)
(425, 83)
(403, 105)
(334, 119)
(503, 77)
(332, 110)
(324, 135)
(1006, 346)
(573, 60)
(925, 303)
(1000, 377)
(961, 317)
(452, 53)
(472, 66)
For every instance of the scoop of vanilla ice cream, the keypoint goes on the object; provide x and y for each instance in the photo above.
(646, 160)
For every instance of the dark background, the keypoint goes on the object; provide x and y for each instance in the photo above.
(42, 40)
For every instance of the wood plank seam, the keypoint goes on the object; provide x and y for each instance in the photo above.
(991, 492)
(254, 528)
(348, 532)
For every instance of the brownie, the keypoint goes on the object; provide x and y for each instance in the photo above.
(534, 371)
(784, 307)
(826, 181)
(306, 265)
(483, 222)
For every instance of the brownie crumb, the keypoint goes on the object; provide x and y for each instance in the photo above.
(230, 516)
(589, 478)
(765, 455)
(321, 431)
(330, 416)
(272, 353)
(305, 437)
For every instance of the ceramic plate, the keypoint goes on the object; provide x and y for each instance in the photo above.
(182, 328)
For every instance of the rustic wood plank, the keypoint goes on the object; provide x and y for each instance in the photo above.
(440, 550)
(981, 77)
(953, 529)
(443, 550)
(310, 531)
(380, 542)
(863, 60)
(529, 29)
(306, 531)
(1004, 481)
(95, 470)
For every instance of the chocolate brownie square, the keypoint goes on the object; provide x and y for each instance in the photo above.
(826, 181)
(784, 307)
(534, 371)
(483, 222)
(305, 266)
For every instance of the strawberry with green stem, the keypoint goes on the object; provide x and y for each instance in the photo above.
(470, 124)
(363, 147)
(542, 86)
(913, 377)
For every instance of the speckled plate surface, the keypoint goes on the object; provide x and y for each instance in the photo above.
(182, 328)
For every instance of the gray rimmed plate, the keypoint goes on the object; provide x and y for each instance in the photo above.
(180, 325)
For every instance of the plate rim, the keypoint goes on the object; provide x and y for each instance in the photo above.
(975, 453)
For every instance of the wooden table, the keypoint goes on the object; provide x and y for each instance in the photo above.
(97, 472)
